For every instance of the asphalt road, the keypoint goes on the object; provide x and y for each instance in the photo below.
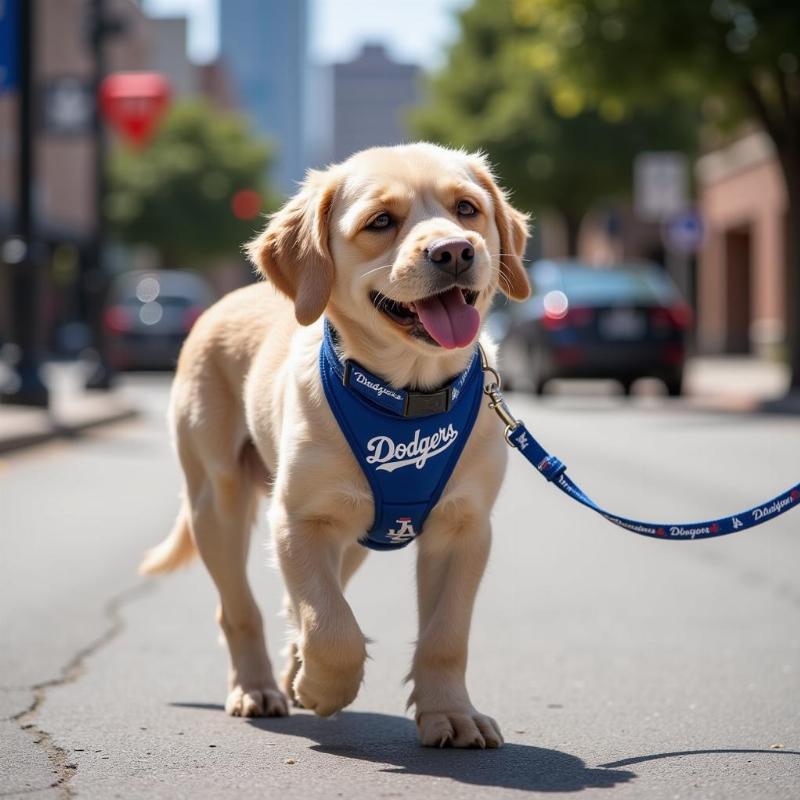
(617, 666)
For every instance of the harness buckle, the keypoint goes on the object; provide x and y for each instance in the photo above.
(423, 404)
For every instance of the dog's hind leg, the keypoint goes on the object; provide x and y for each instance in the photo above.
(222, 501)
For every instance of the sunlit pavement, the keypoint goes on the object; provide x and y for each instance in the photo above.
(617, 666)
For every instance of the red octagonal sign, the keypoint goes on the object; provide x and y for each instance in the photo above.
(134, 102)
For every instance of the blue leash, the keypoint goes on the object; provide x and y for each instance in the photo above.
(517, 435)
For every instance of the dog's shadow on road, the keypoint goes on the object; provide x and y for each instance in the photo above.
(391, 740)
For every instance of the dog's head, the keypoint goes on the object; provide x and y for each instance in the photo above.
(407, 242)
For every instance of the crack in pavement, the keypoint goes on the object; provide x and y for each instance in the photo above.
(63, 768)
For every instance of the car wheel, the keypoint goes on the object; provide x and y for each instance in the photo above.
(538, 375)
(674, 384)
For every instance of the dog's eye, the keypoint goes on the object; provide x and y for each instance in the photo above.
(380, 223)
(466, 209)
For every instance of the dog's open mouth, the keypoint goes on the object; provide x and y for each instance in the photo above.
(448, 319)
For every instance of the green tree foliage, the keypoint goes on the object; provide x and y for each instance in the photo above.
(554, 146)
(735, 59)
(175, 194)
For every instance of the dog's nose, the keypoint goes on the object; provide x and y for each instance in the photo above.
(452, 255)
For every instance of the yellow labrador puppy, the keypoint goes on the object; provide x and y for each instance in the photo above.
(393, 258)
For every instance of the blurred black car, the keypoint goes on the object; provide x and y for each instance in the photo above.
(149, 314)
(626, 321)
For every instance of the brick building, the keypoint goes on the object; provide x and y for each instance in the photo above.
(741, 277)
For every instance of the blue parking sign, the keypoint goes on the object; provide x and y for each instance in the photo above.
(683, 233)
(9, 46)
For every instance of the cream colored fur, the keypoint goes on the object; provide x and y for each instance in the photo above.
(249, 418)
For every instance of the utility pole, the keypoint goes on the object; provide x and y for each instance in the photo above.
(94, 277)
(21, 252)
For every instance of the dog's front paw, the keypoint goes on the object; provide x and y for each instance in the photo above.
(458, 729)
(262, 702)
(325, 692)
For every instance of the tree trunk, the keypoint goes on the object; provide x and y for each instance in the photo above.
(572, 229)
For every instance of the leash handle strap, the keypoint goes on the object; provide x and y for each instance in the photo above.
(554, 471)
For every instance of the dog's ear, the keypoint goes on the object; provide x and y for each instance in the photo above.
(293, 253)
(512, 226)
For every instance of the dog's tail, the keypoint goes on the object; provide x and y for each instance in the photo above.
(175, 551)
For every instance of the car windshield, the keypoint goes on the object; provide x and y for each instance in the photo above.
(596, 286)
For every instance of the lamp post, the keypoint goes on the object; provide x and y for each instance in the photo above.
(20, 251)
(133, 103)
(94, 281)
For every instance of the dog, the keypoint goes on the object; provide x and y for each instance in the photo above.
(394, 255)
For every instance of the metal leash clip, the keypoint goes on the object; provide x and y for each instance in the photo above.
(496, 402)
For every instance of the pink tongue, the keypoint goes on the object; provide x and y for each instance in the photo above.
(448, 318)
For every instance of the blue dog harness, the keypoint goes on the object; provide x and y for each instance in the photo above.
(407, 443)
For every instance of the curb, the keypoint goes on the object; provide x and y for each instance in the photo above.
(57, 430)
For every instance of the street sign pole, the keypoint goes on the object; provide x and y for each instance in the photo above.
(95, 280)
(21, 250)
(682, 235)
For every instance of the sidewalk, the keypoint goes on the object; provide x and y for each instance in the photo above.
(72, 409)
(739, 383)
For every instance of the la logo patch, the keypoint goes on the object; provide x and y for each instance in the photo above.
(403, 533)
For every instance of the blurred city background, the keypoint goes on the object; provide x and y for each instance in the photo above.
(154, 136)
(656, 146)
